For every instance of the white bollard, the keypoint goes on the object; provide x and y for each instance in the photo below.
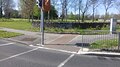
(113, 24)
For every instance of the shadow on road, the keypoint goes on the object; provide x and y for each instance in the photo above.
(82, 44)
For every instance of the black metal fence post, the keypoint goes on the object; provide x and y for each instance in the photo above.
(119, 41)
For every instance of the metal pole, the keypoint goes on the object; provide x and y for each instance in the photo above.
(119, 41)
(42, 26)
(82, 43)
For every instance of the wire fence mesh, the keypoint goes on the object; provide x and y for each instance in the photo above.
(101, 40)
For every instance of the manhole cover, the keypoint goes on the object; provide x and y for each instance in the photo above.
(28, 39)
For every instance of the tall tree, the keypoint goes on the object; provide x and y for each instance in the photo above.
(53, 13)
(64, 9)
(6, 6)
(27, 7)
(36, 12)
(85, 5)
(14, 14)
(1, 3)
(107, 5)
(117, 6)
(95, 4)
(79, 3)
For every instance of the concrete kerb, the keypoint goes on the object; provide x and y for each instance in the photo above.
(101, 54)
(86, 51)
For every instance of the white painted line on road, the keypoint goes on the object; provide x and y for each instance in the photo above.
(64, 62)
(65, 51)
(5, 44)
(55, 39)
(18, 54)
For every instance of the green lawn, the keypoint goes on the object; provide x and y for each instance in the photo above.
(23, 24)
(4, 34)
(20, 24)
(104, 44)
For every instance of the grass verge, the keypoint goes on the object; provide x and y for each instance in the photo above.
(101, 44)
(4, 34)
(19, 24)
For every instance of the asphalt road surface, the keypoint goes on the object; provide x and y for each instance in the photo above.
(17, 55)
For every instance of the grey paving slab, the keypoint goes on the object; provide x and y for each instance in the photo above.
(38, 58)
(64, 39)
(64, 47)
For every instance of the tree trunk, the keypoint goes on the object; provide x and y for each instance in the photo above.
(1, 9)
(32, 16)
(48, 16)
(0, 12)
(93, 18)
(79, 10)
(29, 19)
(105, 18)
(83, 17)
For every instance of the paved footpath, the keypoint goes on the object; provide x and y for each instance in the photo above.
(57, 41)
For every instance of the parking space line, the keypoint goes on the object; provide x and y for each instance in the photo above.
(64, 62)
(65, 51)
(59, 50)
(13, 56)
(6, 44)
